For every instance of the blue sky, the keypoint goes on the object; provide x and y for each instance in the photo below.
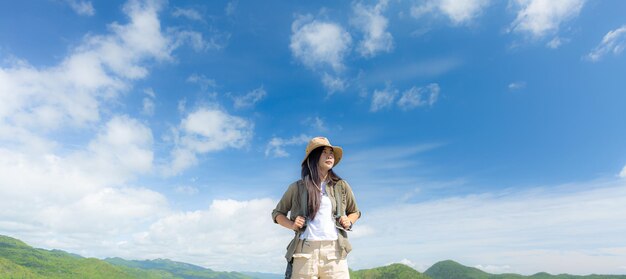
(488, 132)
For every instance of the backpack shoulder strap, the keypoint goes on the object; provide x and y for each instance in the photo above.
(340, 211)
(303, 196)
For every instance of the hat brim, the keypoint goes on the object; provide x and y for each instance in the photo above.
(337, 151)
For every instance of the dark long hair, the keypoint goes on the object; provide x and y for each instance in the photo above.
(311, 177)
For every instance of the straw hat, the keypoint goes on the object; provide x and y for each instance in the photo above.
(322, 141)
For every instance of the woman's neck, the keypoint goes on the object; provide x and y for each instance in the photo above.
(323, 175)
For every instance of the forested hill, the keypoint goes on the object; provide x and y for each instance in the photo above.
(453, 270)
(391, 271)
(18, 260)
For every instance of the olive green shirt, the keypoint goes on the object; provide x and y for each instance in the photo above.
(290, 203)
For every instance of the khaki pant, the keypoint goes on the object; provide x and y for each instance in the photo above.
(319, 259)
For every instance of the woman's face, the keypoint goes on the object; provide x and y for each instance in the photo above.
(327, 159)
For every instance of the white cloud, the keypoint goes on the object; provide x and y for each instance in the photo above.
(42, 178)
(250, 99)
(388, 159)
(542, 229)
(231, 7)
(79, 198)
(148, 102)
(373, 24)
(51, 202)
(47, 190)
(149, 92)
(276, 146)
(539, 18)
(54, 202)
(197, 40)
(319, 44)
(96, 71)
(181, 159)
(187, 190)
(419, 96)
(622, 174)
(204, 82)
(148, 106)
(182, 105)
(316, 123)
(411, 71)
(407, 262)
(86, 197)
(188, 13)
(556, 42)
(117, 211)
(496, 269)
(383, 99)
(333, 84)
(517, 85)
(459, 12)
(223, 237)
(82, 7)
(121, 149)
(613, 42)
(207, 130)
(409, 99)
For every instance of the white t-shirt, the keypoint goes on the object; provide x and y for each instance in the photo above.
(323, 226)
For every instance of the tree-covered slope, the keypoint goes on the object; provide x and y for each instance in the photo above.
(452, 270)
(391, 271)
(182, 270)
(22, 261)
(18, 260)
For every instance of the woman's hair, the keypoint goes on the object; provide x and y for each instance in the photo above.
(311, 178)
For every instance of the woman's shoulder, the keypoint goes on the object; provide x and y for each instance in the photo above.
(343, 183)
(294, 185)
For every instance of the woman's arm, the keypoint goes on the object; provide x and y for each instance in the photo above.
(353, 217)
(285, 222)
(352, 210)
(284, 205)
(347, 221)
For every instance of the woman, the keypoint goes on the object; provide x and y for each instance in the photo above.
(321, 209)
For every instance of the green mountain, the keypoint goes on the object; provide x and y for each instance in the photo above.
(18, 260)
(391, 271)
(453, 270)
(181, 270)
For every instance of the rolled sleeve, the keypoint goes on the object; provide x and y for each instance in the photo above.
(351, 206)
(284, 205)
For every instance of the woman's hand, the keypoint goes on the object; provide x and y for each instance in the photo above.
(298, 223)
(345, 222)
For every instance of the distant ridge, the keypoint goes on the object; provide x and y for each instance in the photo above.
(181, 270)
(390, 271)
(449, 269)
(452, 270)
(18, 260)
